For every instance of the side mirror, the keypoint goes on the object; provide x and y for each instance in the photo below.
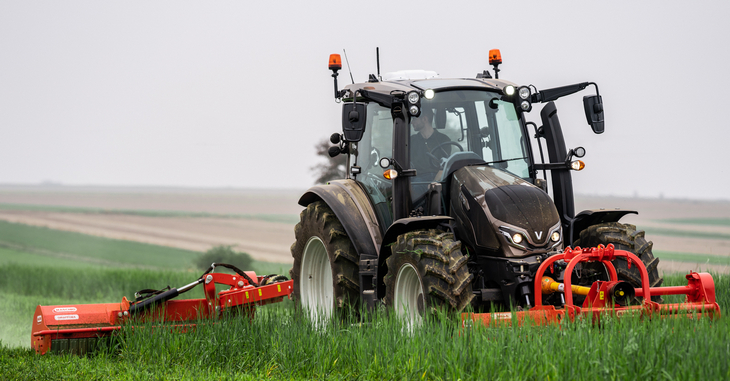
(593, 107)
(354, 116)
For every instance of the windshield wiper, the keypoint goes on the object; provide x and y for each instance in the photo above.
(505, 160)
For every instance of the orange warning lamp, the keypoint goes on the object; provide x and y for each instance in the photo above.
(335, 62)
(495, 57)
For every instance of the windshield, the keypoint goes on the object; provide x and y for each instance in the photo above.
(463, 124)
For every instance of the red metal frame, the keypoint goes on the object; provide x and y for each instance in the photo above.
(700, 292)
(99, 320)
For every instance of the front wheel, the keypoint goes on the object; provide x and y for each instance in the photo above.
(623, 237)
(427, 271)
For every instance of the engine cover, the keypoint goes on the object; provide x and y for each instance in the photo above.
(491, 206)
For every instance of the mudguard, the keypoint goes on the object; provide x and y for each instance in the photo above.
(352, 207)
(588, 218)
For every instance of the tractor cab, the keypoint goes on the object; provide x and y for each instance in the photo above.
(450, 123)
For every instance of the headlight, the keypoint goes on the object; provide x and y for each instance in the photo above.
(413, 110)
(517, 238)
(413, 97)
(525, 105)
(555, 237)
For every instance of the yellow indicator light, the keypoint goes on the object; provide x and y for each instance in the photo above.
(390, 174)
(278, 287)
(259, 292)
(577, 165)
(246, 294)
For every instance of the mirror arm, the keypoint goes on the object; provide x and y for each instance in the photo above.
(559, 92)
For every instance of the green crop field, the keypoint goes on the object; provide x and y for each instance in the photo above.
(42, 266)
(284, 218)
(700, 221)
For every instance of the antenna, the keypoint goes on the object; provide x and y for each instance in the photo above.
(348, 66)
(377, 59)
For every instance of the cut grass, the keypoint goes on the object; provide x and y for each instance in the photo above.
(279, 218)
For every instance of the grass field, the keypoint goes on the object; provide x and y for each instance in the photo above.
(700, 221)
(282, 344)
(285, 218)
(43, 266)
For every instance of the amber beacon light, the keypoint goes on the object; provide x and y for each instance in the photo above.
(335, 62)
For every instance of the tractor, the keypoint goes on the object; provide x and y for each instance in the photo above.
(445, 204)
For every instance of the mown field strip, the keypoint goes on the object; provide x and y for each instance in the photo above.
(281, 218)
(693, 258)
(651, 231)
(699, 221)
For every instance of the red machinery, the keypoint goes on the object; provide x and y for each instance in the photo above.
(78, 328)
(605, 297)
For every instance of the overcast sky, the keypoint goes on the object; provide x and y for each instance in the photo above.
(236, 94)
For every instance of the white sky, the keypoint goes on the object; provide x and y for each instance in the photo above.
(218, 94)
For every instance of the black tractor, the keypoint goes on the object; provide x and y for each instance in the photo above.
(442, 205)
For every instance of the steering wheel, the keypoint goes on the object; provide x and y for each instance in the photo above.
(435, 161)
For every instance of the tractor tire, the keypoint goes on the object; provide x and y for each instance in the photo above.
(325, 270)
(427, 271)
(623, 237)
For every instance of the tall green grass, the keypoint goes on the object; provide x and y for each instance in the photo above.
(281, 343)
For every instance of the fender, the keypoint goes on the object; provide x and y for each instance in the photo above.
(592, 217)
(352, 207)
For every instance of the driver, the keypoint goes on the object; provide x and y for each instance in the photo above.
(423, 143)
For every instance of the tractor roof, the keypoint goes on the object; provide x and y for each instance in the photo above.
(437, 84)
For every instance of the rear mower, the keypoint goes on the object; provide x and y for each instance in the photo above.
(445, 205)
(79, 329)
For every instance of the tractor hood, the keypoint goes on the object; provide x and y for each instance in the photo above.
(496, 206)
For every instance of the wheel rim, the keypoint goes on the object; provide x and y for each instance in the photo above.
(316, 290)
(408, 295)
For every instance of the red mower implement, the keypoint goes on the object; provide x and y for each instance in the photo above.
(612, 297)
(78, 329)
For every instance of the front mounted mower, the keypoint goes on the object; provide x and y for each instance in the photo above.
(611, 297)
(446, 205)
(80, 328)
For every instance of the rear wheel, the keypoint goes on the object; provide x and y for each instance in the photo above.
(325, 269)
(427, 271)
(623, 237)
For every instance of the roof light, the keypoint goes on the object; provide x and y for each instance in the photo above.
(413, 97)
(335, 62)
(509, 90)
(525, 106)
(577, 165)
(429, 94)
(524, 92)
(390, 174)
(495, 57)
(413, 110)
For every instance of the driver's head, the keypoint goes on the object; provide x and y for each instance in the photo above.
(423, 120)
